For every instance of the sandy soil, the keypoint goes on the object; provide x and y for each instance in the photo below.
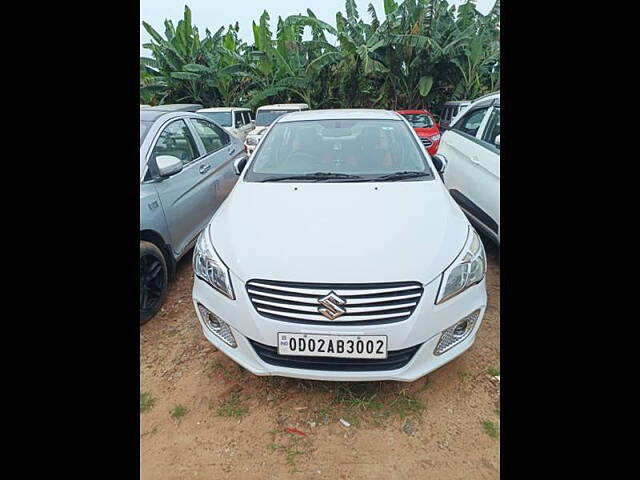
(234, 425)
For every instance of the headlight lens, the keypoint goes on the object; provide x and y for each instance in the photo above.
(468, 269)
(252, 140)
(207, 266)
(435, 138)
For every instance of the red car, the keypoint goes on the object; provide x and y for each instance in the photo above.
(425, 126)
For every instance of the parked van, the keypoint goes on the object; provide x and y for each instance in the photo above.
(236, 121)
(450, 110)
(265, 116)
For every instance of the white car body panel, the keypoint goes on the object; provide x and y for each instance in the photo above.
(331, 227)
(473, 169)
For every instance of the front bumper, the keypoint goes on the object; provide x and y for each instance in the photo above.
(433, 148)
(424, 327)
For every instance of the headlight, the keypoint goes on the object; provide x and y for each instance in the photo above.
(435, 138)
(252, 140)
(468, 269)
(207, 266)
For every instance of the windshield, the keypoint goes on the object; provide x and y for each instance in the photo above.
(144, 128)
(221, 118)
(418, 120)
(358, 149)
(266, 117)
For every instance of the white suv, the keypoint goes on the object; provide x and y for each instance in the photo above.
(471, 150)
(265, 116)
(236, 121)
(340, 255)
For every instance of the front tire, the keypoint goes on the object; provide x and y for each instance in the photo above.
(153, 280)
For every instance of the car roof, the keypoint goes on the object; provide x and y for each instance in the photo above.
(413, 112)
(151, 115)
(178, 107)
(224, 109)
(340, 114)
(284, 106)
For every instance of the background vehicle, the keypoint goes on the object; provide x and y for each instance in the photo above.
(450, 110)
(364, 269)
(471, 147)
(265, 115)
(178, 107)
(425, 126)
(236, 121)
(186, 171)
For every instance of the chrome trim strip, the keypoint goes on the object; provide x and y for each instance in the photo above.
(314, 300)
(322, 318)
(320, 293)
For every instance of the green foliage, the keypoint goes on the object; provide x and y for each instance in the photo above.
(147, 401)
(419, 54)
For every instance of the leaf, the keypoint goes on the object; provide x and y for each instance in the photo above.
(425, 85)
(185, 75)
(194, 67)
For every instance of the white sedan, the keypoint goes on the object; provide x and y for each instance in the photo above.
(339, 255)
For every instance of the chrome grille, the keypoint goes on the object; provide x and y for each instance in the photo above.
(426, 142)
(365, 304)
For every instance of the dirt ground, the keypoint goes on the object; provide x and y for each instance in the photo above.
(206, 417)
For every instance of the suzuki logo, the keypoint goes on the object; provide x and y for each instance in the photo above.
(332, 304)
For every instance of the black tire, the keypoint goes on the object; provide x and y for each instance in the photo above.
(153, 280)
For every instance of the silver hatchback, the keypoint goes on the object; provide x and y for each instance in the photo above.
(186, 172)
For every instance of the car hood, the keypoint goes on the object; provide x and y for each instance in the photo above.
(339, 232)
(427, 132)
(258, 131)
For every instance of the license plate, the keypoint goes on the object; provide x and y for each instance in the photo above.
(341, 346)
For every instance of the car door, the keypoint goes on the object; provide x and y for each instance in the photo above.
(221, 152)
(247, 124)
(186, 195)
(242, 125)
(470, 175)
(486, 189)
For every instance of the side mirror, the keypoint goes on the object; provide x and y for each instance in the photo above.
(168, 165)
(239, 164)
(497, 141)
(440, 162)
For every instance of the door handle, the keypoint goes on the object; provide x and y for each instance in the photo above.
(204, 168)
(231, 150)
(475, 160)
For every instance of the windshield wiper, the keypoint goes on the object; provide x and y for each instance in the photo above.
(400, 176)
(317, 176)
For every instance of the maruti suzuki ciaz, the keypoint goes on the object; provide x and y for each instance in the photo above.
(340, 255)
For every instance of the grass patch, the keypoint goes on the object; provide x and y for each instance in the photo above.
(292, 450)
(147, 401)
(233, 407)
(490, 428)
(232, 372)
(405, 405)
(371, 403)
(494, 372)
(178, 412)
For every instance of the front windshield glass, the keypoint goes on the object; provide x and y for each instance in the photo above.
(360, 149)
(418, 120)
(221, 118)
(266, 117)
